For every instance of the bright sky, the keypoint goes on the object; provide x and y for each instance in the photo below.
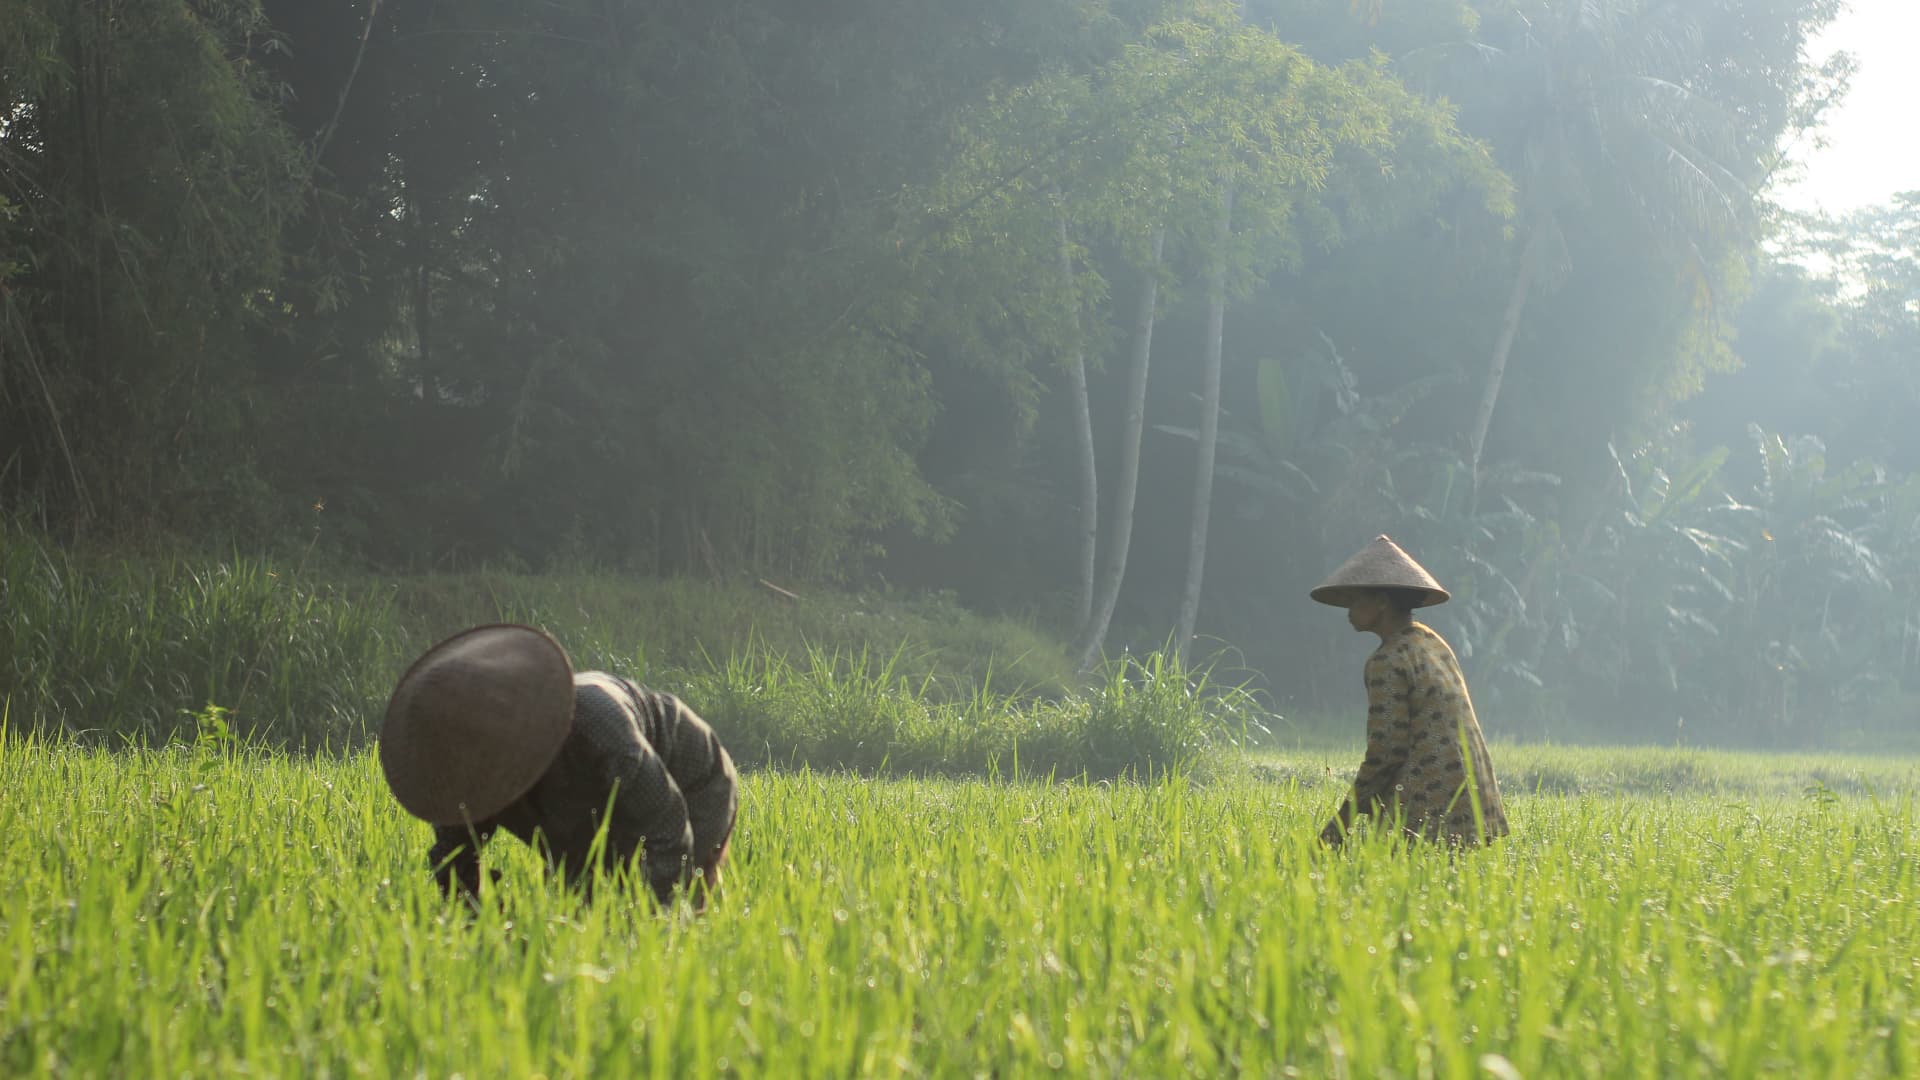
(1873, 138)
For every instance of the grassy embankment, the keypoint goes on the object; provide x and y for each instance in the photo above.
(114, 651)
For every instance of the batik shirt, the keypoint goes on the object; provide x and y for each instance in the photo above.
(642, 761)
(1422, 741)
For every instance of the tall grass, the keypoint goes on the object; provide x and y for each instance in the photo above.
(639, 625)
(862, 711)
(114, 652)
(134, 651)
(208, 912)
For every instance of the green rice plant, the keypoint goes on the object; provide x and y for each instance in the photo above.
(216, 910)
(1639, 771)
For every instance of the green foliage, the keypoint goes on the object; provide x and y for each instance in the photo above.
(1147, 138)
(677, 321)
(187, 911)
(1675, 603)
(741, 290)
(164, 652)
(1844, 335)
(1152, 709)
(644, 627)
(112, 651)
(145, 185)
(1736, 611)
(861, 711)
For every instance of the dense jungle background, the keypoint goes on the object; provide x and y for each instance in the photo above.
(1128, 319)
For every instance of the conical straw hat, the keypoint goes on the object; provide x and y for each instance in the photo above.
(475, 722)
(1381, 564)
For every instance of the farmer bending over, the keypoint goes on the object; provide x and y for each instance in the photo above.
(492, 729)
(1426, 765)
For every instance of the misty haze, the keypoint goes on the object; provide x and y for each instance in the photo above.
(984, 537)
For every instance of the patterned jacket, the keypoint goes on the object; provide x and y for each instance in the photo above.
(1423, 743)
(640, 759)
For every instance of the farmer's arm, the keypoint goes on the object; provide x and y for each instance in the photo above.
(649, 811)
(455, 856)
(702, 769)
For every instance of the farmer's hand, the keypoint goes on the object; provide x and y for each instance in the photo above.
(709, 883)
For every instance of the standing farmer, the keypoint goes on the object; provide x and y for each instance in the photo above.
(1426, 767)
(492, 729)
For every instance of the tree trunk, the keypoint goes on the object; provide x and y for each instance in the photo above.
(1209, 426)
(1497, 364)
(325, 135)
(1087, 650)
(1088, 526)
(423, 306)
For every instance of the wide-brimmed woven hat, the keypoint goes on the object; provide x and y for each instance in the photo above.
(1380, 565)
(475, 722)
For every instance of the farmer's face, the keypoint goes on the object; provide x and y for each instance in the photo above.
(1364, 613)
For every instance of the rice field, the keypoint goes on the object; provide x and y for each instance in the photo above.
(207, 911)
